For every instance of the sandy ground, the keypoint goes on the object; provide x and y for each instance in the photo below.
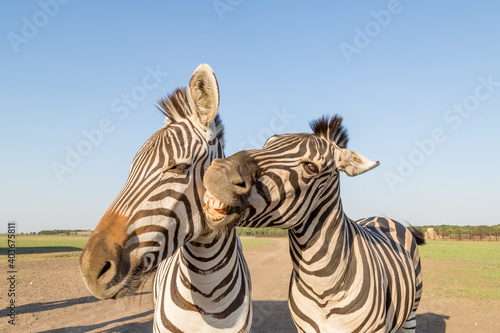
(51, 297)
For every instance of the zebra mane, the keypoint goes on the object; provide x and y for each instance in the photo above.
(219, 127)
(331, 128)
(176, 107)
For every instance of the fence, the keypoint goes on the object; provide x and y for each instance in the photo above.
(463, 235)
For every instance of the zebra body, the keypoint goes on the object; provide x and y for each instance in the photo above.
(188, 297)
(370, 283)
(347, 276)
(156, 222)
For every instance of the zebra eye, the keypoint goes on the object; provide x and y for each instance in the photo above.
(311, 167)
(178, 168)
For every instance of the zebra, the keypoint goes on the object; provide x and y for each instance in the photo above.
(347, 276)
(202, 282)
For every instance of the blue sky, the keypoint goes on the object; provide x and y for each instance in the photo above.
(418, 85)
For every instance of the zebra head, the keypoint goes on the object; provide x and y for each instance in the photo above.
(280, 184)
(159, 208)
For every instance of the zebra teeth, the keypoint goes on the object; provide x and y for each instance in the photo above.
(212, 214)
(218, 205)
(212, 202)
(214, 208)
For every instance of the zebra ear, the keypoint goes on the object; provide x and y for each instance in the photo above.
(205, 93)
(352, 163)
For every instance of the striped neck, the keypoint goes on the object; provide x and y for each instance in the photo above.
(206, 281)
(321, 248)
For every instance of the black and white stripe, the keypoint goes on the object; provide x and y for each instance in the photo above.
(202, 283)
(348, 276)
(204, 287)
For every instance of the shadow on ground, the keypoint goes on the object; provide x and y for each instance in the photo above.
(39, 307)
(268, 316)
(272, 316)
(124, 328)
(48, 249)
(431, 323)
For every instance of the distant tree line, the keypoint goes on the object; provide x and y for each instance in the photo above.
(59, 231)
(242, 231)
(444, 229)
(464, 229)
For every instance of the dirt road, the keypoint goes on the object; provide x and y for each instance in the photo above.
(52, 298)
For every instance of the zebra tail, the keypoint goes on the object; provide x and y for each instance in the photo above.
(417, 235)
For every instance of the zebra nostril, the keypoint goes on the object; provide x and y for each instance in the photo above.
(241, 184)
(106, 268)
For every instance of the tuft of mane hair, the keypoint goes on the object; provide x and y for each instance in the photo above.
(219, 127)
(331, 128)
(176, 107)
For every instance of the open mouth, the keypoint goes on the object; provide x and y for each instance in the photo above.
(215, 210)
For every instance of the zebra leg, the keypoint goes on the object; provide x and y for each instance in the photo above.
(409, 325)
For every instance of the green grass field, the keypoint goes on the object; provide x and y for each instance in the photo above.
(42, 244)
(43, 241)
(43, 247)
(451, 269)
(454, 269)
